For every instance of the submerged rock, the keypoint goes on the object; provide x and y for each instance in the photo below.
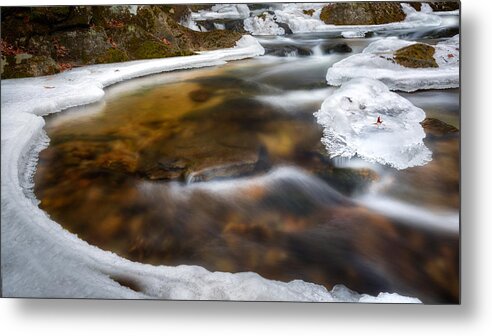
(255, 165)
(348, 180)
(362, 13)
(437, 128)
(336, 48)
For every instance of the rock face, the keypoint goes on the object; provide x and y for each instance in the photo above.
(362, 13)
(417, 55)
(45, 40)
(438, 6)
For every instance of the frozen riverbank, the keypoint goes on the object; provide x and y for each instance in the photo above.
(41, 259)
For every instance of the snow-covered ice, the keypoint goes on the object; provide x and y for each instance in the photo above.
(348, 117)
(264, 25)
(377, 61)
(222, 11)
(41, 259)
(299, 22)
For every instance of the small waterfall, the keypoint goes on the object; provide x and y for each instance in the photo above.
(317, 51)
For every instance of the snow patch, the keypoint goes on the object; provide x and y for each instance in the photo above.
(377, 61)
(349, 116)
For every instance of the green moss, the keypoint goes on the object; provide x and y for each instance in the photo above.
(417, 55)
(151, 49)
(309, 12)
(112, 55)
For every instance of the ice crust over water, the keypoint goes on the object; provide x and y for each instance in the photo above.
(377, 61)
(348, 118)
(41, 259)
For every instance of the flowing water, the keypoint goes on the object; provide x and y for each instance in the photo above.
(223, 167)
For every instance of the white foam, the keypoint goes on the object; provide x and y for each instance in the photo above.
(348, 118)
(377, 61)
(426, 218)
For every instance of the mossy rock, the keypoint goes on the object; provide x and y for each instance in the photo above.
(362, 13)
(113, 55)
(83, 35)
(216, 39)
(417, 55)
(15, 67)
(151, 49)
(445, 6)
(309, 12)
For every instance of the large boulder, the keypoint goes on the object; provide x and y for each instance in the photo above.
(362, 13)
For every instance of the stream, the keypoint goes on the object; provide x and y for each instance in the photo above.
(223, 167)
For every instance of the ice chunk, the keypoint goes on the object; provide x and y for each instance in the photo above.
(388, 298)
(222, 11)
(353, 34)
(263, 25)
(377, 61)
(349, 118)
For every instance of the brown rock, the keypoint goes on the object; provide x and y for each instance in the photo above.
(417, 55)
(362, 13)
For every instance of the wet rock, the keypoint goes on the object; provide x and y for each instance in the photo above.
(285, 27)
(417, 55)
(207, 25)
(167, 169)
(289, 50)
(362, 13)
(233, 170)
(235, 25)
(437, 128)
(348, 180)
(336, 48)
